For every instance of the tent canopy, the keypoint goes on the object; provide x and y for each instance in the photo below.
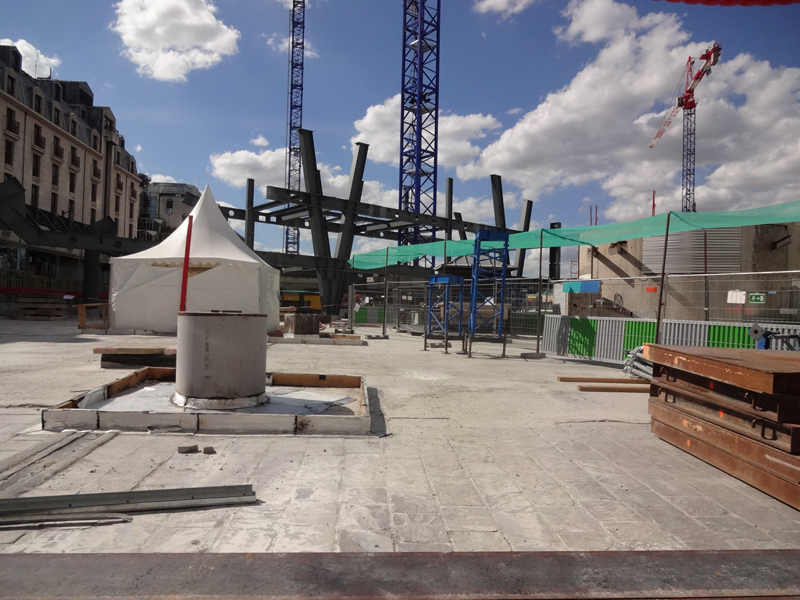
(224, 275)
(588, 236)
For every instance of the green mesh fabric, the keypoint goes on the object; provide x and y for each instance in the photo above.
(587, 236)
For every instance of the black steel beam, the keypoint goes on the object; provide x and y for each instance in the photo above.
(249, 220)
(14, 213)
(344, 241)
(497, 199)
(519, 255)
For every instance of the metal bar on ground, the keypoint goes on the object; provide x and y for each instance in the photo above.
(600, 380)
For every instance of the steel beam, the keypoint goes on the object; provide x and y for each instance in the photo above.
(497, 199)
(344, 241)
(249, 220)
(519, 255)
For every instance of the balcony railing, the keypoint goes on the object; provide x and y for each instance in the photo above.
(120, 186)
(133, 193)
(58, 152)
(39, 141)
(12, 126)
(75, 161)
(96, 172)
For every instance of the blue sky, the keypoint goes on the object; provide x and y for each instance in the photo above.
(560, 98)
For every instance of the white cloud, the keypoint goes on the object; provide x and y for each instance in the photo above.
(167, 39)
(514, 111)
(138, 147)
(159, 178)
(597, 128)
(33, 61)
(266, 167)
(505, 7)
(260, 141)
(281, 44)
(380, 128)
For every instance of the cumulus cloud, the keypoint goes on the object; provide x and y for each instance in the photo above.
(167, 39)
(138, 147)
(159, 178)
(281, 44)
(260, 141)
(33, 61)
(266, 167)
(597, 128)
(380, 128)
(504, 7)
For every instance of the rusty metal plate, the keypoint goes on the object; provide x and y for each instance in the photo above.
(784, 437)
(766, 372)
(760, 455)
(771, 484)
(404, 576)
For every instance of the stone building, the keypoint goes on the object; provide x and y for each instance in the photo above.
(164, 206)
(68, 155)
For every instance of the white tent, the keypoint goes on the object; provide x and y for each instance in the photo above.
(224, 274)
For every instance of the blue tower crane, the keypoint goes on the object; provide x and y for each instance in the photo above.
(294, 117)
(419, 144)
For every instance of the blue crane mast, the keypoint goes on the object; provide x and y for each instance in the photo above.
(294, 120)
(419, 144)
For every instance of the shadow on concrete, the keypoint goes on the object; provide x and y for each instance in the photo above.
(377, 419)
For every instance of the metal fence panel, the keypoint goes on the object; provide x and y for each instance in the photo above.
(610, 338)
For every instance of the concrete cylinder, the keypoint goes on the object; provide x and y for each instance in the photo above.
(221, 361)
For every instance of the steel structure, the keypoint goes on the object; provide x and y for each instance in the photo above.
(294, 116)
(419, 129)
(445, 295)
(686, 101)
(488, 290)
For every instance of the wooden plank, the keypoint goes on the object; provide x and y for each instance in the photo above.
(601, 380)
(771, 484)
(313, 380)
(632, 389)
(763, 371)
(752, 451)
(125, 383)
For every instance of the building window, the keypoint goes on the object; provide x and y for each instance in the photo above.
(35, 196)
(58, 92)
(72, 183)
(94, 141)
(130, 231)
(57, 116)
(116, 224)
(58, 151)
(73, 127)
(116, 204)
(37, 103)
(71, 213)
(10, 153)
(36, 165)
(54, 203)
(11, 87)
(54, 180)
(94, 193)
(12, 125)
(38, 138)
(169, 206)
(93, 216)
(130, 210)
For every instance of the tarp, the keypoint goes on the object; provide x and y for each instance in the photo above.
(224, 274)
(588, 236)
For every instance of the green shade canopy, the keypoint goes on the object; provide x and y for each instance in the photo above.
(586, 236)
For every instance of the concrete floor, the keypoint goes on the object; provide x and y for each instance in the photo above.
(481, 454)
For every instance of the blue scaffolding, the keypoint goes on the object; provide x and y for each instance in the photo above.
(445, 296)
(488, 289)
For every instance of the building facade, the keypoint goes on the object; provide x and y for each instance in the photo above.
(163, 207)
(69, 156)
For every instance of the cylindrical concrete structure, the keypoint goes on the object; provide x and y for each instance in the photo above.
(221, 361)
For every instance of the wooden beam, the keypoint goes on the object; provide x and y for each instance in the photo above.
(632, 389)
(602, 380)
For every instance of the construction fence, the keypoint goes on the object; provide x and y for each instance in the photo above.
(602, 319)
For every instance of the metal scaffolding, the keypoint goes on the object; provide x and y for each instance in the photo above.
(420, 116)
(488, 293)
(445, 304)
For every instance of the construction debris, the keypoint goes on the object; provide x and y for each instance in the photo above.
(188, 449)
(209, 450)
(602, 380)
(623, 389)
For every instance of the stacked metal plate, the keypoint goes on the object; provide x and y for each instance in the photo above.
(736, 409)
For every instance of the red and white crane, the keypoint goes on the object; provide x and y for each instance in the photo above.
(686, 101)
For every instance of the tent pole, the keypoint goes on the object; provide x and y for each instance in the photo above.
(539, 297)
(663, 277)
(185, 281)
